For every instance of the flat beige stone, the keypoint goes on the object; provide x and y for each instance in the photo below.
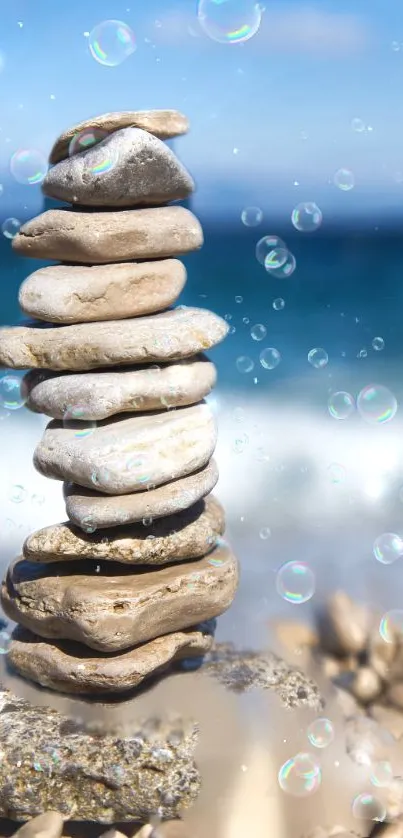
(91, 510)
(70, 667)
(164, 124)
(98, 395)
(120, 456)
(48, 825)
(129, 168)
(81, 294)
(171, 336)
(116, 609)
(190, 534)
(70, 235)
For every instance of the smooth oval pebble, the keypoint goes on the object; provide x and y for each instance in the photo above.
(142, 171)
(189, 534)
(103, 394)
(91, 510)
(81, 294)
(69, 667)
(171, 336)
(70, 235)
(121, 456)
(164, 124)
(48, 825)
(116, 608)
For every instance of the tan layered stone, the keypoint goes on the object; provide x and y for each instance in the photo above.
(166, 337)
(72, 668)
(188, 535)
(99, 395)
(110, 611)
(164, 124)
(79, 294)
(104, 237)
(90, 510)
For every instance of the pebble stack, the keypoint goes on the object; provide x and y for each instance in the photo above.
(132, 582)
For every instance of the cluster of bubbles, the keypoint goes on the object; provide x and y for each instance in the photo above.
(111, 42)
(306, 217)
(10, 227)
(28, 166)
(295, 582)
(229, 21)
(388, 547)
(301, 775)
(13, 392)
(273, 254)
(391, 625)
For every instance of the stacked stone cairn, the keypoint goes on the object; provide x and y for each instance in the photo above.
(133, 581)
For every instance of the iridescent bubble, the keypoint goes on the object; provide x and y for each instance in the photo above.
(266, 245)
(239, 299)
(367, 807)
(276, 258)
(341, 405)
(381, 774)
(391, 625)
(28, 166)
(286, 269)
(5, 640)
(252, 216)
(337, 473)
(103, 160)
(320, 733)
(377, 404)
(264, 533)
(306, 217)
(388, 547)
(300, 776)
(244, 364)
(111, 42)
(13, 392)
(18, 493)
(270, 358)
(10, 227)
(362, 353)
(88, 524)
(86, 139)
(258, 332)
(358, 125)
(229, 21)
(378, 344)
(278, 304)
(74, 420)
(100, 477)
(344, 180)
(295, 582)
(318, 358)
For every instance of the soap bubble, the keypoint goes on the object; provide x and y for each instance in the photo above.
(377, 404)
(276, 258)
(229, 21)
(337, 473)
(344, 180)
(10, 227)
(378, 344)
(13, 392)
(258, 332)
(252, 216)
(18, 493)
(381, 774)
(86, 139)
(320, 733)
(391, 625)
(388, 547)
(266, 245)
(74, 420)
(278, 304)
(300, 776)
(295, 582)
(306, 217)
(111, 42)
(270, 358)
(367, 807)
(5, 640)
(318, 358)
(341, 405)
(264, 533)
(28, 166)
(358, 125)
(88, 524)
(244, 364)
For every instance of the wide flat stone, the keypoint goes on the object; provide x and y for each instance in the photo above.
(171, 336)
(187, 535)
(90, 510)
(51, 762)
(81, 294)
(100, 394)
(164, 124)
(70, 235)
(109, 610)
(128, 168)
(70, 667)
(120, 456)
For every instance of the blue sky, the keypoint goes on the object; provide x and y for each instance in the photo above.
(284, 101)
